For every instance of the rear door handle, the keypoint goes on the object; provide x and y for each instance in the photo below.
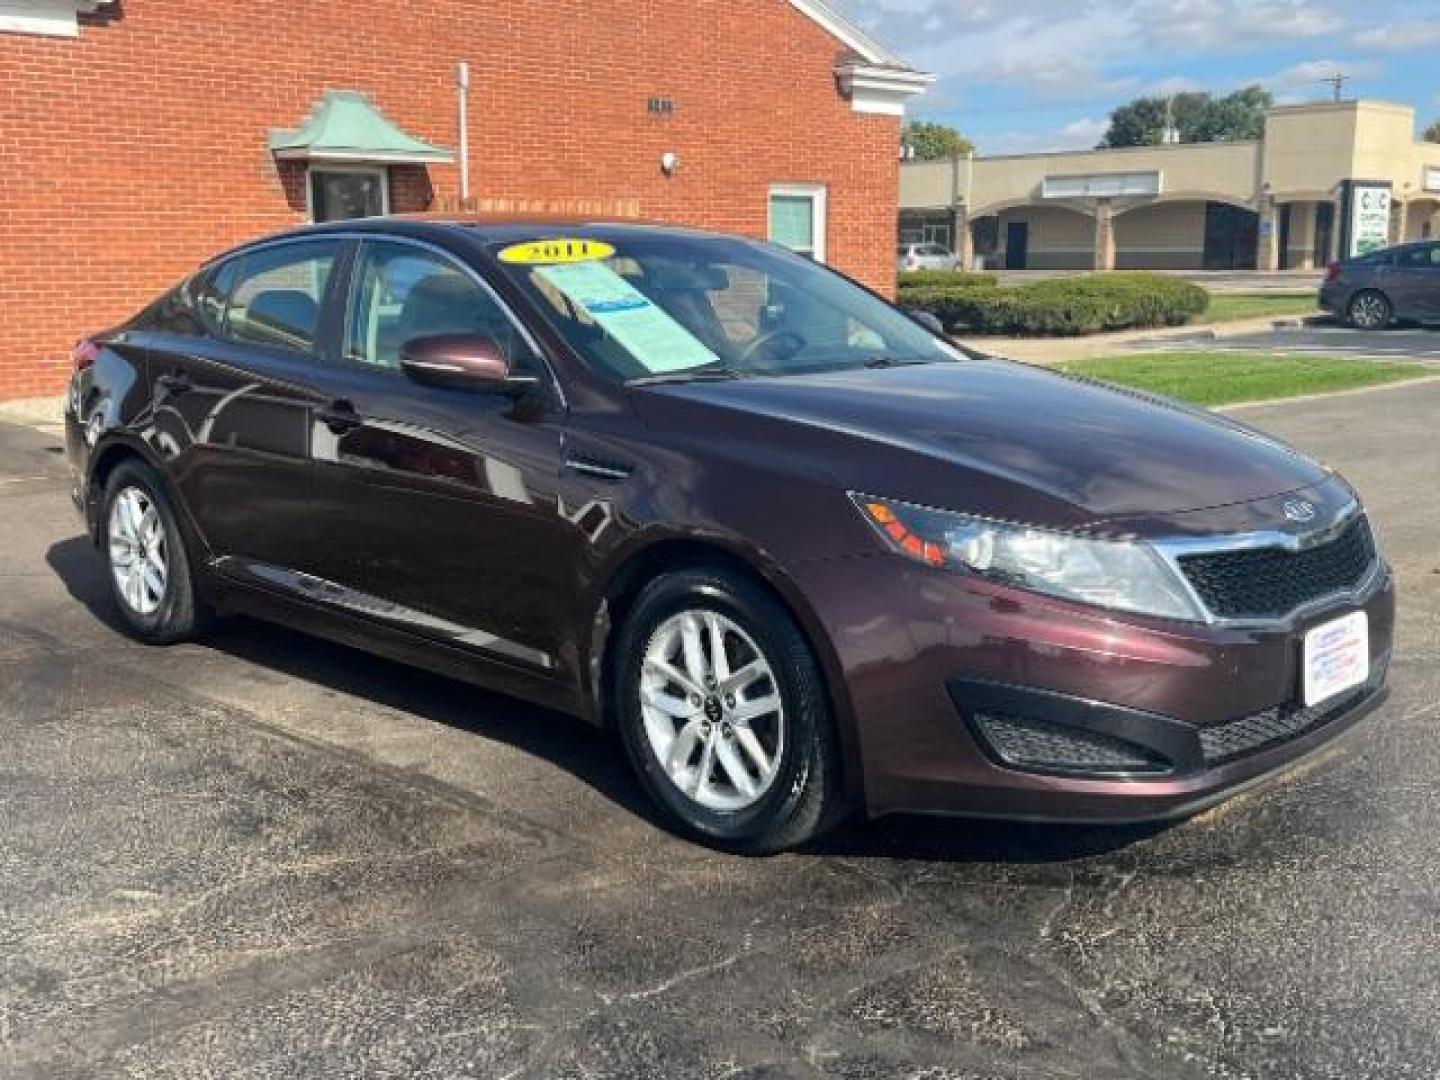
(174, 384)
(339, 417)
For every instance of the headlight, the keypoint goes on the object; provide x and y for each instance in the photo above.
(1117, 574)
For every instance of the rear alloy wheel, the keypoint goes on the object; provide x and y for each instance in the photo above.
(139, 551)
(1369, 310)
(149, 566)
(724, 713)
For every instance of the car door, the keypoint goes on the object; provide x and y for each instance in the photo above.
(233, 410)
(1413, 282)
(440, 504)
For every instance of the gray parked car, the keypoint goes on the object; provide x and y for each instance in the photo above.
(929, 256)
(1373, 290)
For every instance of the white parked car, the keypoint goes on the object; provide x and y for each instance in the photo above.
(930, 256)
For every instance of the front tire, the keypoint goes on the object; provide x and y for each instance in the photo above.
(724, 713)
(1369, 310)
(147, 564)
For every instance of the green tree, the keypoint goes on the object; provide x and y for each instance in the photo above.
(934, 142)
(1432, 133)
(1195, 115)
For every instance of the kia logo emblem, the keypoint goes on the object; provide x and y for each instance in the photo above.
(1300, 511)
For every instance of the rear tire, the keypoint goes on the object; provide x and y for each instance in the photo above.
(147, 563)
(741, 755)
(1369, 310)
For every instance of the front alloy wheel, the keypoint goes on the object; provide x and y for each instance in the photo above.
(724, 713)
(713, 714)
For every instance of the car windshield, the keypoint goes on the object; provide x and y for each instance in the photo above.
(651, 305)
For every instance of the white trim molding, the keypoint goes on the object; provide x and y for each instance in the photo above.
(880, 90)
(47, 18)
(847, 33)
(360, 157)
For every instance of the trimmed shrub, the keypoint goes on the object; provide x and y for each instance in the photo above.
(1065, 306)
(958, 279)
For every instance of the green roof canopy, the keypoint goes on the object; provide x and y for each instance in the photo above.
(344, 126)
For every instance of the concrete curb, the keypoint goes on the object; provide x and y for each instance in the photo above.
(1057, 350)
(44, 413)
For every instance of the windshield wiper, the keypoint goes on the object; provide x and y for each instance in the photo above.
(704, 373)
(890, 361)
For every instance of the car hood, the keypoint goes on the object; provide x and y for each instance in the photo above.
(993, 437)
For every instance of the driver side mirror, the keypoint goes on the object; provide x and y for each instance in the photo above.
(458, 361)
(927, 319)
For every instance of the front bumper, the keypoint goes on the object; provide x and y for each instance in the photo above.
(923, 651)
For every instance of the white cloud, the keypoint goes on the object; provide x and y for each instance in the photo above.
(1054, 48)
(1398, 37)
(1313, 72)
(1175, 84)
(1080, 134)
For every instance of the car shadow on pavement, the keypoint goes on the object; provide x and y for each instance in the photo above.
(592, 756)
(589, 754)
(924, 838)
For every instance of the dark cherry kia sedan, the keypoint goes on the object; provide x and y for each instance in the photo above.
(802, 552)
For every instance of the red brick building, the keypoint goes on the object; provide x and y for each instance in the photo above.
(138, 137)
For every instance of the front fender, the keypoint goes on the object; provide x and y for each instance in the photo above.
(655, 547)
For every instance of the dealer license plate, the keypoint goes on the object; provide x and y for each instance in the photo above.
(1337, 657)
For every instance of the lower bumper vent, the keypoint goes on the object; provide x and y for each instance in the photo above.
(1050, 747)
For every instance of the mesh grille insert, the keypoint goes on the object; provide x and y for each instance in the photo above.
(1036, 744)
(1270, 582)
(1234, 738)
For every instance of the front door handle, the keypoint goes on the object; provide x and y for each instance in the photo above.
(339, 416)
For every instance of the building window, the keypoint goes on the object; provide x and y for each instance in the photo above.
(339, 194)
(797, 218)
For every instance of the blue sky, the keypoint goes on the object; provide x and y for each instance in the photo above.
(1024, 75)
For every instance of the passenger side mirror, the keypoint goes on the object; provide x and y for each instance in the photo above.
(459, 361)
(928, 320)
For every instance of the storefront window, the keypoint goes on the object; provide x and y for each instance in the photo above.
(342, 194)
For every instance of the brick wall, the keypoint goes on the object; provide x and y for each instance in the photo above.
(133, 152)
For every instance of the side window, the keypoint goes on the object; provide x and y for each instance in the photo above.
(400, 292)
(1421, 258)
(173, 313)
(212, 293)
(278, 294)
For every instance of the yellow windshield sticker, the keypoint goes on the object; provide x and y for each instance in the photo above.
(556, 252)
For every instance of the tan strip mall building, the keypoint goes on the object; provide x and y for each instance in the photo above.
(1326, 180)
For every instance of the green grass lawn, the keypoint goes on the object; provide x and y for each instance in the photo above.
(1223, 378)
(1228, 307)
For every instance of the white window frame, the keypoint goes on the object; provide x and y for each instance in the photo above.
(819, 198)
(381, 171)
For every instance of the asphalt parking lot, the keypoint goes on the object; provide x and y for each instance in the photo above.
(270, 856)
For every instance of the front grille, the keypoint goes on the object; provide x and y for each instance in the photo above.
(1235, 738)
(1036, 744)
(1273, 581)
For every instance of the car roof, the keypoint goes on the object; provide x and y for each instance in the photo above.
(482, 228)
